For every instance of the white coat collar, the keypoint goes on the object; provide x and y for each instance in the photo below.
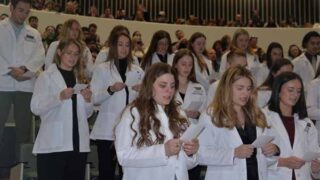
(56, 76)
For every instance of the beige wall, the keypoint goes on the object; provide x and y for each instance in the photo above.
(285, 36)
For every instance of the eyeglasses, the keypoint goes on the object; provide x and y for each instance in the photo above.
(69, 53)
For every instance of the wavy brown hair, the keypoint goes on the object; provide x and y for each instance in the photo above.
(221, 109)
(147, 108)
(78, 69)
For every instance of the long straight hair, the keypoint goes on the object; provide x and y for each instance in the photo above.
(180, 54)
(199, 60)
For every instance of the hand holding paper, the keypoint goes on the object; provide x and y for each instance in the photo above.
(78, 87)
(262, 140)
(310, 156)
(193, 131)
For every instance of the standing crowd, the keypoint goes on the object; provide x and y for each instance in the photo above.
(258, 111)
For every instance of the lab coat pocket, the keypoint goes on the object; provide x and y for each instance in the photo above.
(51, 135)
(28, 47)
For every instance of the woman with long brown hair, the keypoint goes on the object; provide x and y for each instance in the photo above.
(114, 84)
(147, 135)
(202, 65)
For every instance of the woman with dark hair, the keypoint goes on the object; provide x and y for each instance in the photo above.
(232, 123)
(190, 94)
(274, 53)
(202, 65)
(147, 135)
(160, 50)
(313, 101)
(103, 54)
(294, 131)
(264, 91)
(114, 84)
(294, 51)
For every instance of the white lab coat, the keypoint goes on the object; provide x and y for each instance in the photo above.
(217, 152)
(111, 106)
(195, 93)
(304, 141)
(203, 77)
(303, 67)
(87, 57)
(148, 162)
(24, 50)
(253, 64)
(55, 134)
(263, 97)
(262, 74)
(211, 92)
(313, 103)
(103, 55)
(155, 58)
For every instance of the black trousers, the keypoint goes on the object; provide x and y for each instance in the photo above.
(194, 173)
(61, 166)
(107, 159)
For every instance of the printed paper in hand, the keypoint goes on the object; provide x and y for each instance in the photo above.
(309, 156)
(193, 131)
(262, 140)
(194, 105)
(78, 87)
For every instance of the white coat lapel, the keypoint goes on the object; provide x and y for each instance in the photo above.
(299, 126)
(114, 73)
(155, 58)
(234, 138)
(277, 124)
(57, 77)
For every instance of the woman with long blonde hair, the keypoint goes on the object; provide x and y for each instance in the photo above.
(71, 30)
(233, 122)
(240, 40)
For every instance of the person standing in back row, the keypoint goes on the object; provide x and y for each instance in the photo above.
(21, 56)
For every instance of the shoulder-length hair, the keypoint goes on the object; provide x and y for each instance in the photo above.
(236, 34)
(78, 69)
(274, 102)
(157, 36)
(180, 54)
(113, 56)
(66, 28)
(274, 69)
(147, 108)
(221, 109)
(199, 60)
(272, 46)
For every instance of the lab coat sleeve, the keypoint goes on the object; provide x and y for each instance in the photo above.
(312, 101)
(203, 100)
(99, 85)
(50, 54)
(88, 61)
(128, 154)
(36, 61)
(209, 153)
(42, 99)
(4, 66)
